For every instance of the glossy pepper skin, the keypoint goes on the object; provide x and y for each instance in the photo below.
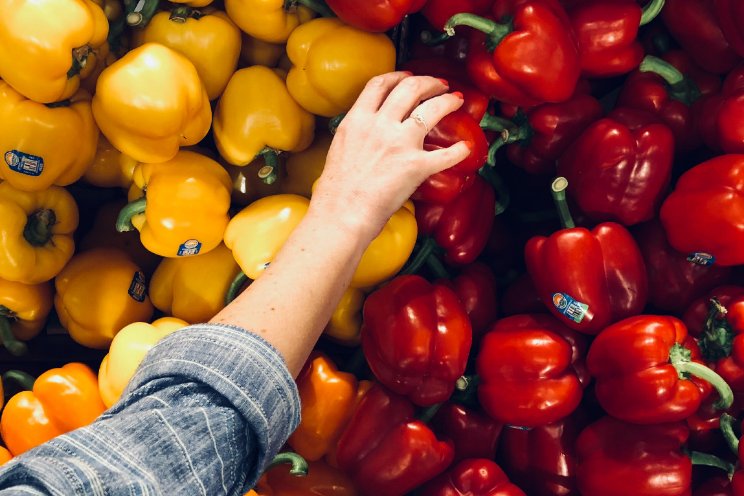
(529, 370)
(157, 85)
(386, 450)
(36, 233)
(618, 459)
(473, 434)
(376, 16)
(208, 38)
(178, 286)
(713, 227)
(719, 115)
(23, 312)
(476, 286)
(127, 350)
(730, 16)
(634, 364)
(105, 279)
(462, 226)
(256, 111)
(43, 146)
(475, 477)
(602, 268)
(332, 62)
(416, 337)
(62, 399)
(438, 12)
(266, 20)
(620, 167)
(186, 200)
(45, 45)
(345, 325)
(110, 168)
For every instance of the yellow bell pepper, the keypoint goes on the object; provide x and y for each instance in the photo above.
(140, 12)
(332, 62)
(179, 286)
(128, 349)
(257, 52)
(98, 60)
(112, 9)
(110, 167)
(304, 168)
(267, 20)
(179, 206)
(23, 311)
(45, 43)
(35, 233)
(45, 144)
(151, 102)
(98, 293)
(208, 38)
(346, 321)
(248, 187)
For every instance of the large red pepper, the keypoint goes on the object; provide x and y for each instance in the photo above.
(444, 186)
(530, 369)
(694, 25)
(530, 58)
(473, 434)
(472, 477)
(374, 15)
(730, 15)
(620, 167)
(386, 450)
(703, 215)
(416, 337)
(476, 287)
(648, 370)
(673, 281)
(588, 279)
(462, 226)
(720, 115)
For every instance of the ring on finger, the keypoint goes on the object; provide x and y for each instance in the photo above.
(420, 120)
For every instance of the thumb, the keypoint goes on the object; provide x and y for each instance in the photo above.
(444, 158)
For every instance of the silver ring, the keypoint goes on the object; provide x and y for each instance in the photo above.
(420, 120)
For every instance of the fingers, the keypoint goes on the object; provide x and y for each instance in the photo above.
(409, 93)
(434, 110)
(444, 158)
(377, 90)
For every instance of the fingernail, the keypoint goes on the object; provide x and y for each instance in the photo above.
(407, 73)
(444, 81)
(470, 145)
(458, 94)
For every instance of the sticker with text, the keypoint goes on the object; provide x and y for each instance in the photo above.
(24, 163)
(701, 258)
(573, 309)
(189, 248)
(138, 288)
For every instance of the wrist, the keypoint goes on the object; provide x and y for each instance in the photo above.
(346, 218)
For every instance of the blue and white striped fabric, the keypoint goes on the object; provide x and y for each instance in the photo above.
(209, 406)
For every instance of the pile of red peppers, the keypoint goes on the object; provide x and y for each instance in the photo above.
(571, 321)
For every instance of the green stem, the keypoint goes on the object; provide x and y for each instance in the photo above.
(124, 220)
(38, 229)
(182, 13)
(428, 414)
(299, 465)
(717, 336)
(494, 31)
(466, 390)
(24, 380)
(650, 11)
(269, 172)
(11, 343)
(235, 287)
(503, 196)
(708, 460)
(425, 249)
(317, 6)
(335, 122)
(495, 123)
(558, 189)
(727, 429)
(507, 137)
(681, 88)
(437, 267)
(139, 12)
(679, 356)
(430, 39)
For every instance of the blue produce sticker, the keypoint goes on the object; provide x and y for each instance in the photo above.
(573, 309)
(138, 287)
(701, 258)
(189, 248)
(24, 163)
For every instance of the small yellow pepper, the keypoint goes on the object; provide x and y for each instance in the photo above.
(98, 293)
(45, 144)
(257, 52)
(332, 62)
(45, 43)
(346, 321)
(23, 311)
(305, 167)
(128, 349)
(151, 102)
(267, 20)
(35, 233)
(110, 167)
(179, 206)
(208, 38)
(179, 286)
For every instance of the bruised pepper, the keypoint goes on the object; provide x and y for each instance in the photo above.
(23, 311)
(45, 144)
(44, 45)
(179, 206)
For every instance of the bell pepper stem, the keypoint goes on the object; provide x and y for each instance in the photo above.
(425, 249)
(269, 172)
(182, 13)
(430, 39)
(124, 220)
(317, 6)
(507, 137)
(709, 460)
(38, 229)
(437, 267)
(494, 31)
(466, 390)
(503, 196)
(717, 337)
(650, 11)
(235, 286)
(11, 343)
(679, 356)
(492, 122)
(22, 379)
(558, 189)
(299, 465)
(335, 122)
(727, 429)
(139, 12)
(681, 88)
(427, 414)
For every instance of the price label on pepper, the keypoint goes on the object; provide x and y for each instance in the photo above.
(571, 308)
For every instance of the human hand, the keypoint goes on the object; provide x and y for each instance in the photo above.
(377, 160)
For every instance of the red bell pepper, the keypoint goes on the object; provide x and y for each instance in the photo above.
(720, 119)
(529, 56)
(694, 25)
(438, 12)
(472, 477)
(473, 434)
(587, 279)
(673, 281)
(698, 312)
(620, 167)
(730, 15)
(476, 285)
(530, 369)
(374, 15)
(444, 186)
(462, 226)
(620, 459)
(416, 337)
(702, 217)
(648, 370)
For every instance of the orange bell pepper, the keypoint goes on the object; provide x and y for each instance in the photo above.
(5, 456)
